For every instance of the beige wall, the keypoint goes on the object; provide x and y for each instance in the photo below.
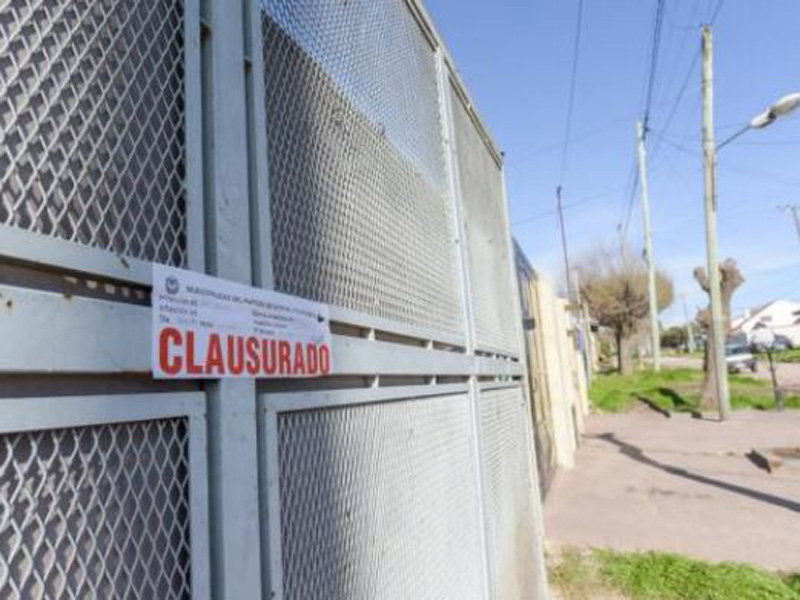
(564, 373)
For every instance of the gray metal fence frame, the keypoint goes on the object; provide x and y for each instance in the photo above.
(235, 525)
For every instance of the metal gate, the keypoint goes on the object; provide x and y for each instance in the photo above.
(326, 150)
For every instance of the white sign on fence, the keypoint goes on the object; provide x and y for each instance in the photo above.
(209, 328)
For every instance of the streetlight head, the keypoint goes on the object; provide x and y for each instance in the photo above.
(781, 108)
(785, 105)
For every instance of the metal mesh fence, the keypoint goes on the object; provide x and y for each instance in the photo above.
(95, 512)
(487, 238)
(360, 213)
(509, 491)
(380, 501)
(92, 123)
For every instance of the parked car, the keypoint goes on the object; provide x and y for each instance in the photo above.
(782, 343)
(739, 358)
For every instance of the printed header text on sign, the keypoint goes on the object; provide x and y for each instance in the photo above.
(209, 328)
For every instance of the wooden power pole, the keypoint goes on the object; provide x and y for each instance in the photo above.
(717, 337)
(655, 335)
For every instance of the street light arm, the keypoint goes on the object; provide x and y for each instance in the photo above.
(782, 107)
(728, 140)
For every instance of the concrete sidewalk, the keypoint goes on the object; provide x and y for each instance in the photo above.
(644, 482)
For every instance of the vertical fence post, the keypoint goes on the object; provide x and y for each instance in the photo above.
(233, 471)
(258, 151)
(263, 276)
(460, 240)
(538, 551)
(195, 213)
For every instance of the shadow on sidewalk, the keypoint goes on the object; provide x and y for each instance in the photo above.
(637, 454)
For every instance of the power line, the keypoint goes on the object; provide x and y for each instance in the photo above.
(576, 52)
(678, 99)
(633, 179)
(687, 78)
(574, 204)
(690, 26)
(671, 76)
(571, 98)
(775, 143)
(578, 137)
(716, 11)
(658, 25)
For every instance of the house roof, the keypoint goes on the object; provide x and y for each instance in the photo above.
(754, 317)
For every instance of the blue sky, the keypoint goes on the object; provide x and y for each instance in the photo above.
(515, 56)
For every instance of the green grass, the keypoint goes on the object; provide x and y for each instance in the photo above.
(790, 356)
(660, 576)
(616, 393)
(676, 390)
(681, 353)
(793, 582)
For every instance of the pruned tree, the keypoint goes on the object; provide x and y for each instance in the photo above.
(731, 279)
(613, 282)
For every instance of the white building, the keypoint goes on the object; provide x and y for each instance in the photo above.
(781, 316)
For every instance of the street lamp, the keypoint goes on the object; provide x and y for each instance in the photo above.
(785, 106)
(782, 107)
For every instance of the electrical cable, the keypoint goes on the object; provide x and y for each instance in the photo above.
(658, 25)
(574, 204)
(672, 112)
(572, 87)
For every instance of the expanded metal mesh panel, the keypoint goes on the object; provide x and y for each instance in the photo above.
(95, 512)
(360, 212)
(92, 123)
(380, 501)
(509, 493)
(487, 238)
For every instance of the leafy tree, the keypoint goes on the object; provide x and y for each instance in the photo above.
(613, 282)
(674, 337)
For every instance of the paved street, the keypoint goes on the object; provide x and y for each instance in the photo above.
(682, 485)
(788, 373)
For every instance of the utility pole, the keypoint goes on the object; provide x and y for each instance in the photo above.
(795, 210)
(689, 333)
(648, 248)
(717, 338)
(574, 293)
(567, 270)
(586, 328)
